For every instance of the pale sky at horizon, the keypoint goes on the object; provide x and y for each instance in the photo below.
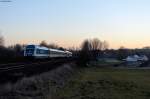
(69, 22)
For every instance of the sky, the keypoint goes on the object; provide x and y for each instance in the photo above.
(69, 22)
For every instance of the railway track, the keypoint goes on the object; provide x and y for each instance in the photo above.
(15, 66)
(12, 72)
(18, 66)
(22, 63)
(5, 68)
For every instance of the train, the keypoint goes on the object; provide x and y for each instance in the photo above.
(40, 52)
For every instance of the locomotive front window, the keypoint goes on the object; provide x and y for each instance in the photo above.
(30, 47)
(29, 50)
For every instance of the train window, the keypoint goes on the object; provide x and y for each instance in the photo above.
(30, 46)
(45, 51)
(38, 51)
(52, 52)
(48, 52)
(41, 51)
(29, 50)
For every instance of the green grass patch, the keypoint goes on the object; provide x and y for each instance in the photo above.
(107, 83)
(106, 62)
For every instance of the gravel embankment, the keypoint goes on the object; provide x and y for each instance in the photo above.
(43, 86)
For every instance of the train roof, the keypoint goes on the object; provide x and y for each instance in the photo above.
(42, 47)
(68, 52)
(56, 50)
(37, 46)
(45, 48)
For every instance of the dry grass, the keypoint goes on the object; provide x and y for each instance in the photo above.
(42, 86)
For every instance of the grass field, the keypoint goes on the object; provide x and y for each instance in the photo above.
(107, 83)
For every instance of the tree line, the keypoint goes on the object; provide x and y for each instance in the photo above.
(90, 50)
(94, 49)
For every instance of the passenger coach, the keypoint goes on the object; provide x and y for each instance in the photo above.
(36, 51)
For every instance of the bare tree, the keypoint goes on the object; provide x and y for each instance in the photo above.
(17, 49)
(84, 55)
(105, 45)
(1, 40)
(97, 48)
(53, 45)
(73, 48)
(146, 47)
(43, 43)
(86, 45)
(96, 44)
(122, 47)
(122, 53)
